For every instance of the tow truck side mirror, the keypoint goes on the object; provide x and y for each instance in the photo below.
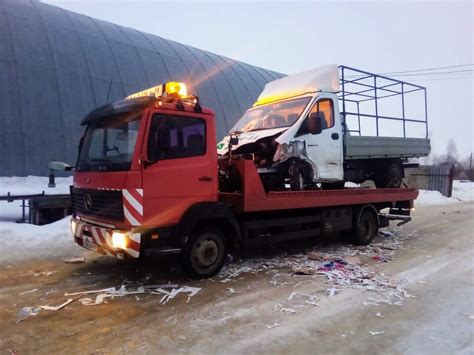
(59, 165)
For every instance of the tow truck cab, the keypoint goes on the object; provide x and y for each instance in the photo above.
(160, 141)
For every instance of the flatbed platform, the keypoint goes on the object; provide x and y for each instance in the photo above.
(254, 198)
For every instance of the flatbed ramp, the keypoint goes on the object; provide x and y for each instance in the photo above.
(254, 198)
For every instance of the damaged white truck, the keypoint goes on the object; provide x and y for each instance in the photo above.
(333, 124)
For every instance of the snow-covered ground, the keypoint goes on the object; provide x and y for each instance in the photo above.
(462, 191)
(25, 240)
(22, 240)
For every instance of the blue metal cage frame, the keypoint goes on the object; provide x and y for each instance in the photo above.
(359, 86)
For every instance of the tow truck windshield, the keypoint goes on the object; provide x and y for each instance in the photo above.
(274, 115)
(109, 143)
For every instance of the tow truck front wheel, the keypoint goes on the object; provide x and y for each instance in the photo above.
(204, 253)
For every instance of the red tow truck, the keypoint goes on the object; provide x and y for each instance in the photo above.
(148, 180)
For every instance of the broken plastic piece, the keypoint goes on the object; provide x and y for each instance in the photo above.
(75, 260)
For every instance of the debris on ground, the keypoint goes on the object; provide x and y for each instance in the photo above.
(376, 332)
(378, 314)
(75, 260)
(26, 312)
(274, 325)
(29, 291)
(168, 295)
(230, 290)
(381, 258)
(44, 273)
(342, 265)
(112, 292)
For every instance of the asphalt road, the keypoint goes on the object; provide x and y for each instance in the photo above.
(244, 315)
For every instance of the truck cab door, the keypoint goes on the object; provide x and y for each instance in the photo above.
(180, 168)
(324, 145)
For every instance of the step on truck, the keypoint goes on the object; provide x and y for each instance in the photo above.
(146, 182)
(329, 125)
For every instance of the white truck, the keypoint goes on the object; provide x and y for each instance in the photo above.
(306, 130)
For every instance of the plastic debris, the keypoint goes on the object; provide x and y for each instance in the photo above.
(274, 325)
(112, 293)
(57, 308)
(44, 273)
(174, 292)
(230, 290)
(75, 260)
(26, 312)
(381, 258)
(376, 332)
(469, 316)
(332, 291)
(378, 314)
(29, 291)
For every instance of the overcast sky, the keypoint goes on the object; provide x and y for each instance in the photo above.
(289, 37)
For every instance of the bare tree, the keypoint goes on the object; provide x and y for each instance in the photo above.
(451, 152)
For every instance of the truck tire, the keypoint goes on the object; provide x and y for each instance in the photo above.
(389, 177)
(296, 176)
(365, 228)
(205, 253)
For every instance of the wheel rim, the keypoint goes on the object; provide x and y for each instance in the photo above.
(205, 252)
(366, 228)
(395, 178)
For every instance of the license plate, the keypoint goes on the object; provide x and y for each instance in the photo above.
(89, 245)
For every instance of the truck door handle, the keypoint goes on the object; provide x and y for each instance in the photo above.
(335, 136)
(205, 178)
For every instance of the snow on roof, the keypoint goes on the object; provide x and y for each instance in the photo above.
(325, 78)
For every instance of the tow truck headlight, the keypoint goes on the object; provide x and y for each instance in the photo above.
(73, 226)
(119, 240)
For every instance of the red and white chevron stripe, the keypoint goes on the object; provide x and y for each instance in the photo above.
(100, 239)
(133, 206)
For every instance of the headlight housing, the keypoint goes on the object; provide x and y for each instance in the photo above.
(73, 226)
(119, 240)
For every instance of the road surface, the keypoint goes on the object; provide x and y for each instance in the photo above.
(245, 314)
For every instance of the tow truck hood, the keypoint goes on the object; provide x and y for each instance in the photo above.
(246, 138)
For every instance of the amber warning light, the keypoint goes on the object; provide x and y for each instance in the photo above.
(164, 90)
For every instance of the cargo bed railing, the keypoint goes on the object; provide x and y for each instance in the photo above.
(358, 87)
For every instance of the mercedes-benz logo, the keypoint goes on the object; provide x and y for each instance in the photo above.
(88, 202)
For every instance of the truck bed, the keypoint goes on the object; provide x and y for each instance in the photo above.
(366, 147)
(254, 198)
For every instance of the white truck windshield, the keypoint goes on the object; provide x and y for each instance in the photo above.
(274, 115)
(109, 144)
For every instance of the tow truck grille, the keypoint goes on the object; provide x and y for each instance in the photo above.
(100, 203)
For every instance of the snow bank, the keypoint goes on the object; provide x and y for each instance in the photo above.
(26, 241)
(462, 191)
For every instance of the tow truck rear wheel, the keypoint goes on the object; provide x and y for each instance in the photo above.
(365, 228)
(204, 253)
